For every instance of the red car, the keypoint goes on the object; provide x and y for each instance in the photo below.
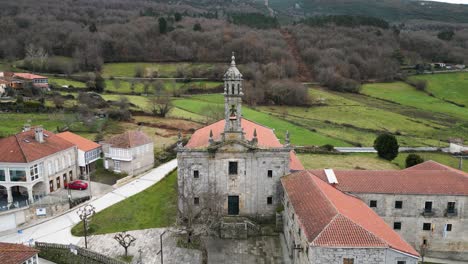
(77, 185)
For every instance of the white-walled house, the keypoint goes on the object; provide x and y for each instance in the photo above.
(88, 152)
(131, 152)
(34, 163)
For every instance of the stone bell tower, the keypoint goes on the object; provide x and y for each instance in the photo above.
(233, 99)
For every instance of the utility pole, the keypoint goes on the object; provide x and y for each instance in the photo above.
(161, 246)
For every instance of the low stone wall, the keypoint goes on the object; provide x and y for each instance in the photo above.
(59, 253)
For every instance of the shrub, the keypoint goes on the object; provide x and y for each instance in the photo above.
(328, 147)
(413, 159)
(386, 146)
(420, 85)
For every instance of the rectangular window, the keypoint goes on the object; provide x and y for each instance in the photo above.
(397, 225)
(269, 200)
(428, 207)
(34, 172)
(401, 262)
(196, 200)
(2, 175)
(117, 165)
(348, 261)
(196, 174)
(398, 204)
(427, 226)
(448, 227)
(451, 207)
(270, 173)
(233, 168)
(373, 203)
(17, 175)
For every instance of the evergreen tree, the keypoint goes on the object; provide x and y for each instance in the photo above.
(178, 17)
(197, 27)
(386, 146)
(162, 25)
(413, 159)
(100, 83)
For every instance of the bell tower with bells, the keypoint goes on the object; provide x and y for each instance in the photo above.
(233, 101)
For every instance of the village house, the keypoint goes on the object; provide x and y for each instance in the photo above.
(236, 159)
(18, 254)
(131, 152)
(18, 80)
(34, 163)
(323, 225)
(88, 152)
(426, 204)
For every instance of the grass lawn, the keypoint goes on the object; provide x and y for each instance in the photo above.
(12, 123)
(443, 158)
(104, 176)
(127, 69)
(368, 161)
(299, 135)
(404, 94)
(154, 207)
(59, 82)
(448, 86)
(124, 86)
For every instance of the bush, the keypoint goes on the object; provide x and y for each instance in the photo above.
(328, 147)
(413, 159)
(420, 85)
(386, 146)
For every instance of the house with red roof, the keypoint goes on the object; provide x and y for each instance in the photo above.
(236, 160)
(88, 152)
(37, 81)
(18, 254)
(324, 225)
(131, 152)
(426, 204)
(33, 163)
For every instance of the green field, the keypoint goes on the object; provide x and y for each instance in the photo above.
(370, 161)
(59, 82)
(452, 87)
(154, 207)
(404, 94)
(299, 135)
(124, 86)
(127, 69)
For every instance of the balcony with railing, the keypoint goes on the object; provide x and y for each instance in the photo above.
(451, 212)
(428, 212)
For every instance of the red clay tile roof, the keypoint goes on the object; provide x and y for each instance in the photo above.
(28, 76)
(129, 139)
(445, 182)
(23, 148)
(331, 218)
(266, 138)
(81, 142)
(432, 165)
(15, 253)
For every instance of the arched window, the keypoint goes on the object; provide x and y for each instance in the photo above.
(232, 89)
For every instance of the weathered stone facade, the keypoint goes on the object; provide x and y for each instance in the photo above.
(439, 243)
(302, 252)
(233, 167)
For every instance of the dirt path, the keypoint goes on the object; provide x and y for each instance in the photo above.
(304, 74)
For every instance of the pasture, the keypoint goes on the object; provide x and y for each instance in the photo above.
(128, 69)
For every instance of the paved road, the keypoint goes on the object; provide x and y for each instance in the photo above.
(372, 150)
(57, 230)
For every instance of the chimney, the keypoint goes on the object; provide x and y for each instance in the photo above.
(39, 134)
(26, 127)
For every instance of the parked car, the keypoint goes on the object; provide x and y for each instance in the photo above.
(77, 185)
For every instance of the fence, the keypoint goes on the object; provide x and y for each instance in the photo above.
(59, 252)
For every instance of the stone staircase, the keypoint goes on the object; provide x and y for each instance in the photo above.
(237, 227)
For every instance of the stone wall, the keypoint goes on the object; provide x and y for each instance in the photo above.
(251, 183)
(450, 244)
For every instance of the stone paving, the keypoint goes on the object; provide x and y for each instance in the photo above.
(261, 250)
(148, 241)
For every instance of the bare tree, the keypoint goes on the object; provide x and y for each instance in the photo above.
(125, 240)
(160, 105)
(58, 101)
(117, 84)
(200, 209)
